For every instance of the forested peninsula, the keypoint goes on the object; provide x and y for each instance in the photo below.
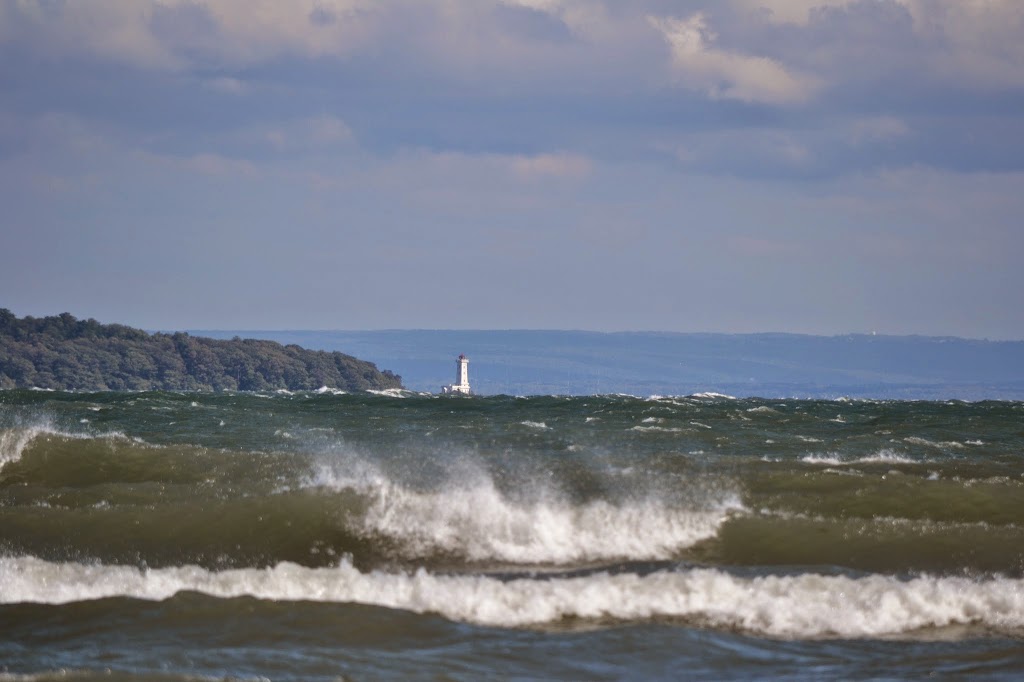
(64, 353)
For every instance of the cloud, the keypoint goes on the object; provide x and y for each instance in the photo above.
(312, 134)
(219, 166)
(179, 34)
(109, 29)
(870, 129)
(728, 74)
(227, 85)
(551, 165)
(788, 11)
(971, 44)
(837, 86)
(752, 152)
(585, 19)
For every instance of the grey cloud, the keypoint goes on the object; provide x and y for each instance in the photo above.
(206, 150)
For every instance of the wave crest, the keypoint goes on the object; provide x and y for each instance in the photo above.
(798, 606)
(473, 519)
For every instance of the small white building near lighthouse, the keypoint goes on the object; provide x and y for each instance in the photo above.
(461, 384)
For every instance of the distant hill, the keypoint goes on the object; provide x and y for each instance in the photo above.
(61, 352)
(524, 362)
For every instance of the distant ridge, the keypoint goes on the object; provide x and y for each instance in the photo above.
(62, 352)
(771, 365)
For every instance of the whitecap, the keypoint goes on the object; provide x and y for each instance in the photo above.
(914, 440)
(797, 606)
(332, 391)
(882, 456)
(392, 392)
(472, 518)
(660, 429)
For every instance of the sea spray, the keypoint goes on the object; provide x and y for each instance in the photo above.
(468, 516)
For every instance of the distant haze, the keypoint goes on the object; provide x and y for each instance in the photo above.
(523, 362)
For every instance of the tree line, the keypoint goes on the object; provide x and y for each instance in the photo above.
(62, 352)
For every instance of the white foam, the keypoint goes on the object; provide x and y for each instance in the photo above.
(392, 392)
(534, 425)
(13, 442)
(762, 409)
(661, 429)
(829, 460)
(471, 518)
(882, 456)
(332, 391)
(914, 440)
(713, 395)
(796, 606)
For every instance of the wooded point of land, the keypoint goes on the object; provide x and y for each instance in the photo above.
(65, 353)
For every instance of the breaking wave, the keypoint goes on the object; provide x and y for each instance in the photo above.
(14, 441)
(473, 519)
(798, 606)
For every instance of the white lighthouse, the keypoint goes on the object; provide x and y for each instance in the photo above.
(461, 384)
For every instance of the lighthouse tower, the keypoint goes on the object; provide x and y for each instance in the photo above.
(461, 384)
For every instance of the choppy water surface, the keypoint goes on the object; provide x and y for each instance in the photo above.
(317, 536)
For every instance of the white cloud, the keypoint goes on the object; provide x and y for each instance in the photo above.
(725, 74)
(550, 165)
(974, 43)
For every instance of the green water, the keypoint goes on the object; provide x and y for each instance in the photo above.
(310, 536)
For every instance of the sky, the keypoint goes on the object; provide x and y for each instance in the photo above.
(807, 166)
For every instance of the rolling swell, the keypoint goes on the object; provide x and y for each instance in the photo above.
(798, 519)
(116, 499)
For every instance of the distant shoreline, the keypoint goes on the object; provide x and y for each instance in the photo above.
(769, 365)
